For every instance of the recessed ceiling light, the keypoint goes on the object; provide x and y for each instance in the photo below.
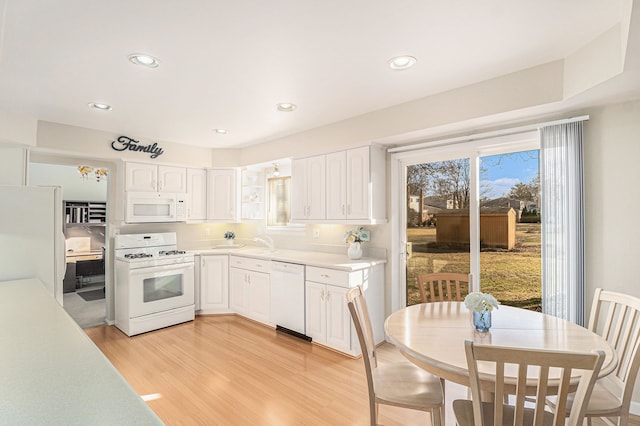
(402, 62)
(221, 131)
(144, 60)
(286, 106)
(100, 106)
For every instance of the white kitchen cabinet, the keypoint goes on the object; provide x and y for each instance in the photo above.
(308, 184)
(356, 185)
(196, 194)
(172, 179)
(143, 177)
(328, 321)
(222, 195)
(250, 288)
(213, 282)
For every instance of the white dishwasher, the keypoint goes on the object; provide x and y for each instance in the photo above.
(287, 298)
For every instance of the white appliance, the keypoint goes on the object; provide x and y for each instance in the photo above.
(155, 283)
(145, 207)
(31, 238)
(287, 298)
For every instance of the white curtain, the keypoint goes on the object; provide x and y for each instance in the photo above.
(562, 210)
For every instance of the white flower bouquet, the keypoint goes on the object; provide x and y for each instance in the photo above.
(477, 301)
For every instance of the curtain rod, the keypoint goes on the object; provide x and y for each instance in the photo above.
(487, 135)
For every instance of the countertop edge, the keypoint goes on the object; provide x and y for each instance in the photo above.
(307, 258)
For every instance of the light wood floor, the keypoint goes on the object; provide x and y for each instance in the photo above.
(226, 370)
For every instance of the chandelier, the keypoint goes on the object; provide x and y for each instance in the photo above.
(99, 174)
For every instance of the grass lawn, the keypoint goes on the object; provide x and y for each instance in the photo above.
(514, 277)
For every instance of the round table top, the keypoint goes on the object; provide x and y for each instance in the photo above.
(432, 336)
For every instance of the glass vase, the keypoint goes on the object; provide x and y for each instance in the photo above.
(482, 320)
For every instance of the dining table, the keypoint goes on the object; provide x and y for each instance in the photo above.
(432, 336)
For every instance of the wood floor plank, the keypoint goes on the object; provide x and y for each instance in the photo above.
(227, 370)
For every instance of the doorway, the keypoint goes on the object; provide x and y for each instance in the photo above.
(464, 210)
(85, 227)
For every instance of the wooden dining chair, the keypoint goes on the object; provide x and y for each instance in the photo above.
(514, 363)
(400, 384)
(615, 317)
(443, 287)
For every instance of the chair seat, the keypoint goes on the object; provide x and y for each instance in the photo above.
(463, 410)
(603, 402)
(404, 385)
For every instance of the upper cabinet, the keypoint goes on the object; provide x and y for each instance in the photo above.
(252, 192)
(222, 195)
(196, 194)
(308, 189)
(353, 187)
(144, 177)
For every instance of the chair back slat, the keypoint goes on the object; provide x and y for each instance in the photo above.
(545, 362)
(442, 287)
(361, 322)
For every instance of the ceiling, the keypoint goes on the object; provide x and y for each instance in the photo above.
(226, 64)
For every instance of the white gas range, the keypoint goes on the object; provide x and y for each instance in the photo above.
(154, 282)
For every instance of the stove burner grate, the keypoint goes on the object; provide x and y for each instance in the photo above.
(170, 252)
(137, 255)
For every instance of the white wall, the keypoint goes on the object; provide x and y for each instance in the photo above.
(74, 187)
(612, 203)
(96, 143)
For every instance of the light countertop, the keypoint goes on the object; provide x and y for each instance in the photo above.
(308, 258)
(51, 372)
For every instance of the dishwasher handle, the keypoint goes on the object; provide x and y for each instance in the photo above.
(292, 268)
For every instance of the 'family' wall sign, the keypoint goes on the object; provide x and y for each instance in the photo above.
(124, 143)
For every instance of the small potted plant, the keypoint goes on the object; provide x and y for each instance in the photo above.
(354, 238)
(229, 236)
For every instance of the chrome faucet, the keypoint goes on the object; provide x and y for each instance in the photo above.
(267, 241)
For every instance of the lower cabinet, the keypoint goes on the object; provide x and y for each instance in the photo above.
(250, 288)
(328, 320)
(213, 277)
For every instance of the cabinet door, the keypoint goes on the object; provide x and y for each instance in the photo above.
(259, 297)
(316, 172)
(238, 290)
(214, 283)
(336, 185)
(141, 177)
(315, 315)
(196, 194)
(357, 183)
(172, 179)
(222, 195)
(338, 319)
(299, 189)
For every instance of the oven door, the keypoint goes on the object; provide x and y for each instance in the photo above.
(160, 288)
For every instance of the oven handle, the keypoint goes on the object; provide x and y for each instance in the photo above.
(174, 267)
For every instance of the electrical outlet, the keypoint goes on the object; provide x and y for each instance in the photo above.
(207, 232)
(316, 232)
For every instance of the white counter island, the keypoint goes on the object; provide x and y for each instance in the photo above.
(51, 372)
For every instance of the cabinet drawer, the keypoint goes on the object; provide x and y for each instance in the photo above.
(332, 276)
(250, 264)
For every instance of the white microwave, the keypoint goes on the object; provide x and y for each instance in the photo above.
(148, 207)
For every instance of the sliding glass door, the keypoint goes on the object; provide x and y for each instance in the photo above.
(472, 208)
(437, 226)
